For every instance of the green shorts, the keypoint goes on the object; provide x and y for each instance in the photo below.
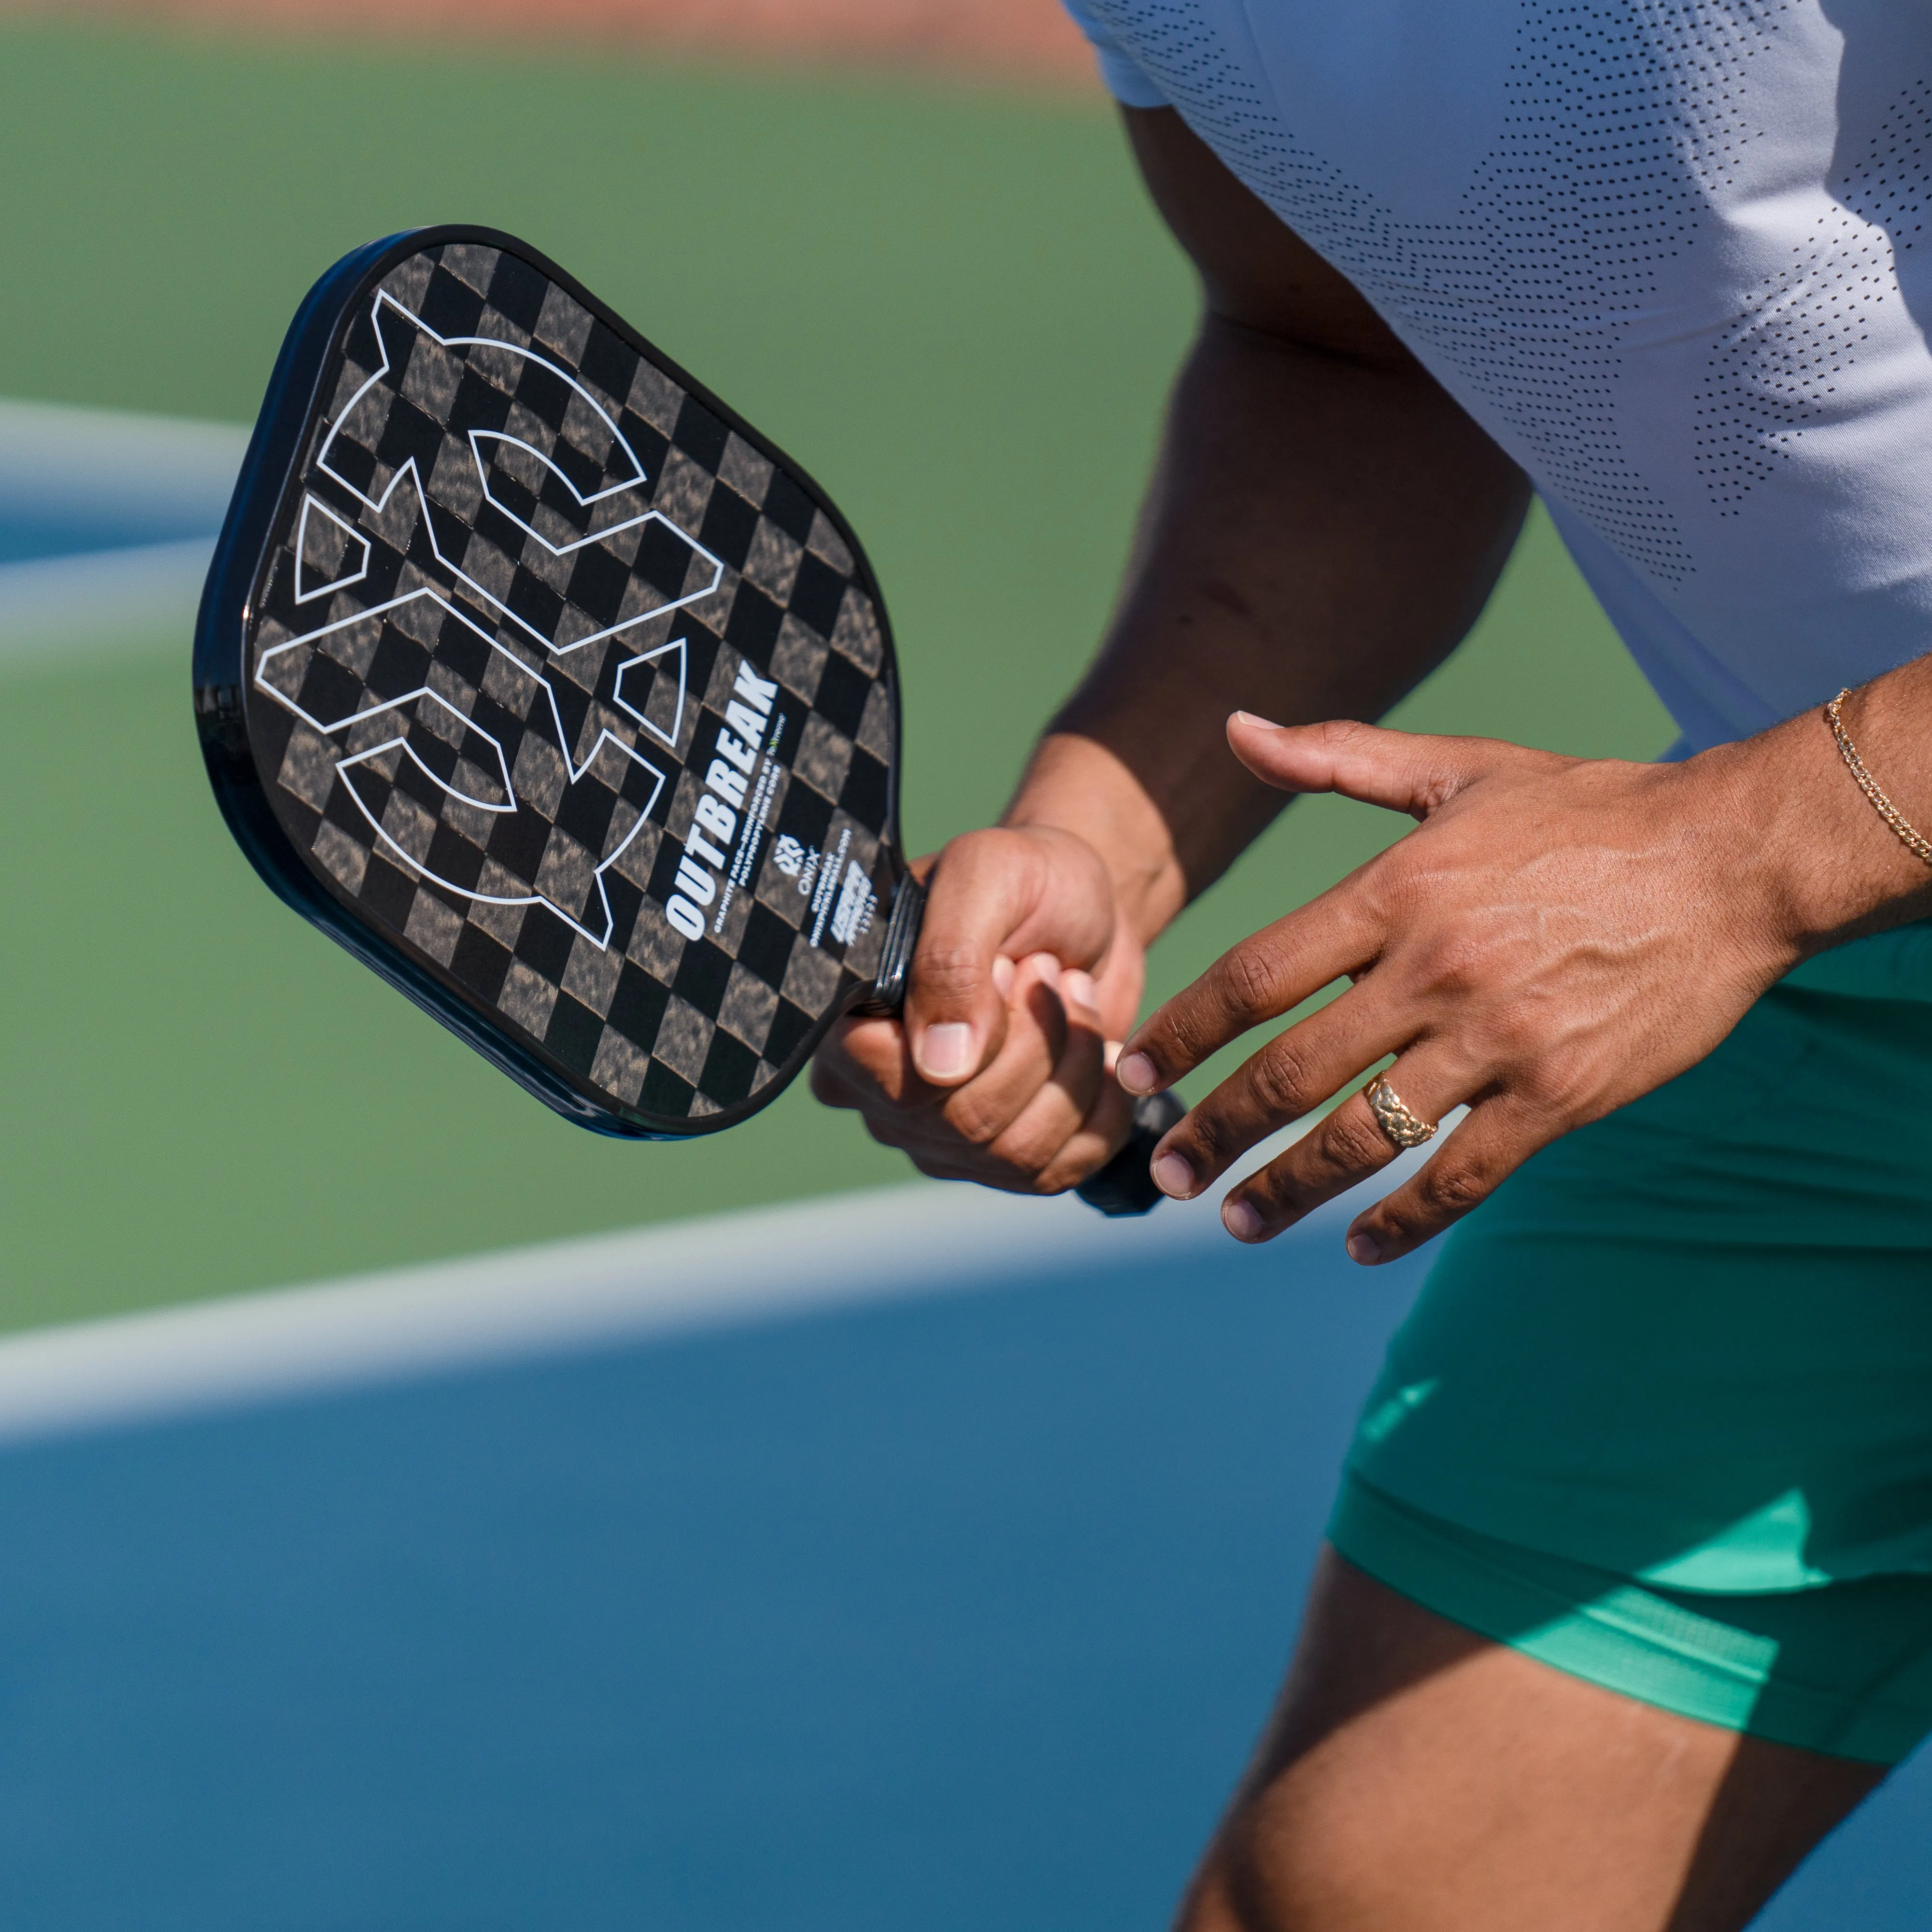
(1662, 1414)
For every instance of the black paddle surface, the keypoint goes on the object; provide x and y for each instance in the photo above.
(532, 673)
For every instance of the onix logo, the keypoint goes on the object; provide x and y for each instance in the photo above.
(492, 511)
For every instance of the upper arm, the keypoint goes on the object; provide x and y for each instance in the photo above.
(1256, 271)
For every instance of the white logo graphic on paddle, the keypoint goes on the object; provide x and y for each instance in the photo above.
(560, 515)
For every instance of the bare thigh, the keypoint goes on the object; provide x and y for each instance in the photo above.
(1416, 1776)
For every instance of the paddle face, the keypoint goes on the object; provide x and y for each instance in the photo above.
(538, 678)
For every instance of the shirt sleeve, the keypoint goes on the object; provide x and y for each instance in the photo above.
(1126, 81)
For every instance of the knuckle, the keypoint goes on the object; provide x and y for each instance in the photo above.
(1206, 1139)
(1247, 979)
(1055, 1176)
(1451, 1190)
(1027, 1149)
(1458, 964)
(1385, 887)
(1512, 1046)
(1547, 1095)
(974, 1118)
(971, 861)
(1033, 1174)
(1352, 1139)
(1071, 1164)
(1281, 1082)
(1275, 1189)
(1556, 1094)
(984, 842)
(1175, 1043)
(949, 975)
(1173, 1040)
(1518, 1030)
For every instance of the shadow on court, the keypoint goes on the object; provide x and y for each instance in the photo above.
(938, 1613)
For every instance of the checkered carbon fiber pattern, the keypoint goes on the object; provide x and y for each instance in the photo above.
(530, 606)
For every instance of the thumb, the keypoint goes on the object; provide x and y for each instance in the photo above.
(1401, 771)
(994, 897)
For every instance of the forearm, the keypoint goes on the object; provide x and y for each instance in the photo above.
(1322, 528)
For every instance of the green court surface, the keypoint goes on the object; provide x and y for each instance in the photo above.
(956, 310)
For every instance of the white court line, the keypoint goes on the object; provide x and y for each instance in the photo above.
(153, 488)
(562, 1297)
(170, 475)
(95, 604)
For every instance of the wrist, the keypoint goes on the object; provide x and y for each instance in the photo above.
(1074, 786)
(1820, 861)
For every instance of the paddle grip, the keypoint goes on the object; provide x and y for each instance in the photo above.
(1124, 1186)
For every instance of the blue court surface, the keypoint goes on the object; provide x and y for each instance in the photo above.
(918, 1561)
(915, 1558)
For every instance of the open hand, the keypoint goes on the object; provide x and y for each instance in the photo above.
(1558, 936)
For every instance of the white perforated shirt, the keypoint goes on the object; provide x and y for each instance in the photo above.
(1669, 252)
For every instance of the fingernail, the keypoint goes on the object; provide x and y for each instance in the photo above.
(1076, 988)
(1364, 1249)
(946, 1048)
(1249, 718)
(1003, 974)
(1046, 969)
(1173, 1176)
(1241, 1220)
(1134, 1071)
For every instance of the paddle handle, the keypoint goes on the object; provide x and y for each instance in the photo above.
(1124, 1186)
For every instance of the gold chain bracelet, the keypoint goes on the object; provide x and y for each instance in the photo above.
(1869, 785)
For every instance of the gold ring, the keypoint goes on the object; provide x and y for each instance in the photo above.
(1394, 1119)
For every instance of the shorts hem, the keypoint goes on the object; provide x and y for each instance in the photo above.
(1619, 1634)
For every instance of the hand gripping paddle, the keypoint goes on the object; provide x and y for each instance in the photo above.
(531, 674)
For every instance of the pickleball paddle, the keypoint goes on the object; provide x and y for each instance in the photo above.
(534, 676)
